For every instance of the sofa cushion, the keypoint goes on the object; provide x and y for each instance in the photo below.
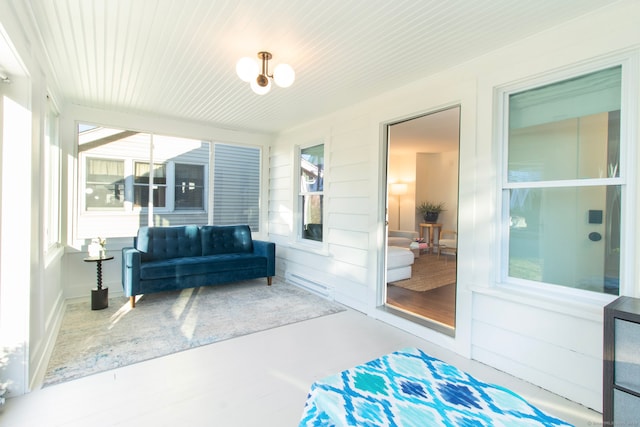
(226, 239)
(200, 265)
(159, 243)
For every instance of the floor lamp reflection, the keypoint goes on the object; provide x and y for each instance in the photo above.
(398, 189)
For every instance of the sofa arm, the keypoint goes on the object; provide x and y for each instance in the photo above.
(407, 234)
(130, 271)
(268, 250)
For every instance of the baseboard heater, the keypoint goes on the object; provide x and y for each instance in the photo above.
(311, 285)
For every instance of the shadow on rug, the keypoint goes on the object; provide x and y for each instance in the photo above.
(94, 341)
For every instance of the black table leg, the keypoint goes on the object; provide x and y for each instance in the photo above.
(99, 296)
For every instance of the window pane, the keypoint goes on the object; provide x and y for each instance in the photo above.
(142, 174)
(236, 185)
(104, 184)
(566, 130)
(187, 161)
(141, 185)
(189, 192)
(312, 169)
(312, 216)
(566, 236)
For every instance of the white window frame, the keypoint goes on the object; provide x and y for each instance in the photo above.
(52, 178)
(627, 178)
(309, 244)
(170, 180)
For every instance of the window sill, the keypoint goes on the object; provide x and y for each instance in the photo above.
(581, 304)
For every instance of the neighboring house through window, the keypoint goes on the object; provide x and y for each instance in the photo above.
(122, 191)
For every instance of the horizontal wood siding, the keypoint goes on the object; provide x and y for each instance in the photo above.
(522, 338)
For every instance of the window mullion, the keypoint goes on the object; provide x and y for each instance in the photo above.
(565, 183)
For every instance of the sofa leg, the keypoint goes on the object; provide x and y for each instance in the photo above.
(132, 301)
(269, 281)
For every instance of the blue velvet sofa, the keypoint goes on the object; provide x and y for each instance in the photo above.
(179, 257)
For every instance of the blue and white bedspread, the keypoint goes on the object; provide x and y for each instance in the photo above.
(411, 388)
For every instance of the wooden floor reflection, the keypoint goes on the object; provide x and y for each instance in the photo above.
(435, 304)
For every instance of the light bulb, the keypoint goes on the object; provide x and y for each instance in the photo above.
(260, 90)
(284, 75)
(247, 69)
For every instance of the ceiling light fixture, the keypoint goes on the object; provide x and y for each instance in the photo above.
(249, 71)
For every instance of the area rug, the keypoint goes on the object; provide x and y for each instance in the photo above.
(409, 388)
(92, 341)
(430, 272)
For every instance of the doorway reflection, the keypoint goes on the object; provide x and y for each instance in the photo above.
(422, 160)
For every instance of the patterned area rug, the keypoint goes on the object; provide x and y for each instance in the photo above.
(429, 272)
(92, 341)
(409, 388)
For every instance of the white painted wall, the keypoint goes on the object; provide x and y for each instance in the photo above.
(552, 340)
(30, 279)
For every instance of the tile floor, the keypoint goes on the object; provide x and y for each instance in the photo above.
(256, 380)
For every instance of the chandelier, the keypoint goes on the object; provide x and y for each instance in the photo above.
(258, 75)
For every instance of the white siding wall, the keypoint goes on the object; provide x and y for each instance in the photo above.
(556, 344)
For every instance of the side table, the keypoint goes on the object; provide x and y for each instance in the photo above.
(431, 226)
(100, 295)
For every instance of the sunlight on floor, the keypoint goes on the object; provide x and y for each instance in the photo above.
(122, 311)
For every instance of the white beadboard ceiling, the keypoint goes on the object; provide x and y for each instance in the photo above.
(176, 59)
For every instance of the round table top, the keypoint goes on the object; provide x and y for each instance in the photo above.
(98, 258)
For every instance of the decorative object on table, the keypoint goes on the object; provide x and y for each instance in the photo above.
(94, 247)
(99, 295)
(97, 247)
(430, 210)
(411, 388)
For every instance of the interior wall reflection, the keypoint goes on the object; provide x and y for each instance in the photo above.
(564, 182)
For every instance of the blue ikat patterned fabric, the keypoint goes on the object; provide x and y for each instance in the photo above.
(409, 388)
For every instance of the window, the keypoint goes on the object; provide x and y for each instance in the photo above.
(563, 181)
(141, 187)
(236, 185)
(128, 179)
(52, 164)
(189, 191)
(311, 197)
(104, 188)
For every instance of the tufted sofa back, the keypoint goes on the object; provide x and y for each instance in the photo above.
(225, 239)
(158, 243)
